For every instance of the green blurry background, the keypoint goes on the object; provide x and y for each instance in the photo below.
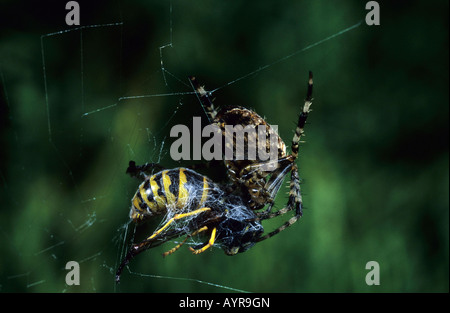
(375, 161)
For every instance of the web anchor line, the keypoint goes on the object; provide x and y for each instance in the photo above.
(192, 280)
(262, 68)
(259, 69)
(44, 67)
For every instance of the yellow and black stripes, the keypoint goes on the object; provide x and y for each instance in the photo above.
(174, 190)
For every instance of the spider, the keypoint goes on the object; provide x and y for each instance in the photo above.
(193, 204)
(229, 215)
(259, 186)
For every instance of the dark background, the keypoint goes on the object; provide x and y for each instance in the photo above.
(375, 161)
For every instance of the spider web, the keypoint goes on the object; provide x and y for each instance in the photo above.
(109, 92)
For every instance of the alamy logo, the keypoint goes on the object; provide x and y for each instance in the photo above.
(235, 142)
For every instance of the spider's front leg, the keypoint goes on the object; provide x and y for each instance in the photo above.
(295, 198)
(205, 98)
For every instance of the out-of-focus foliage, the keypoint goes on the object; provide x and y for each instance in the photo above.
(375, 161)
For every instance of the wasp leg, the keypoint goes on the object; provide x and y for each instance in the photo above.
(187, 237)
(208, 245)
(177, 217)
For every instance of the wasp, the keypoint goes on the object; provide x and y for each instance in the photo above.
(192, 204)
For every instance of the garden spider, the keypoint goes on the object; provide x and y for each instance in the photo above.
(259, 186)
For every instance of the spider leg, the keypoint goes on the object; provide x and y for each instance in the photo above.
(299, 131)
(272, 187)
(302, 118)
(294, 202)
(291, 221)
(255, 172)
(208, 245)
(205, 99)
(295, 198)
